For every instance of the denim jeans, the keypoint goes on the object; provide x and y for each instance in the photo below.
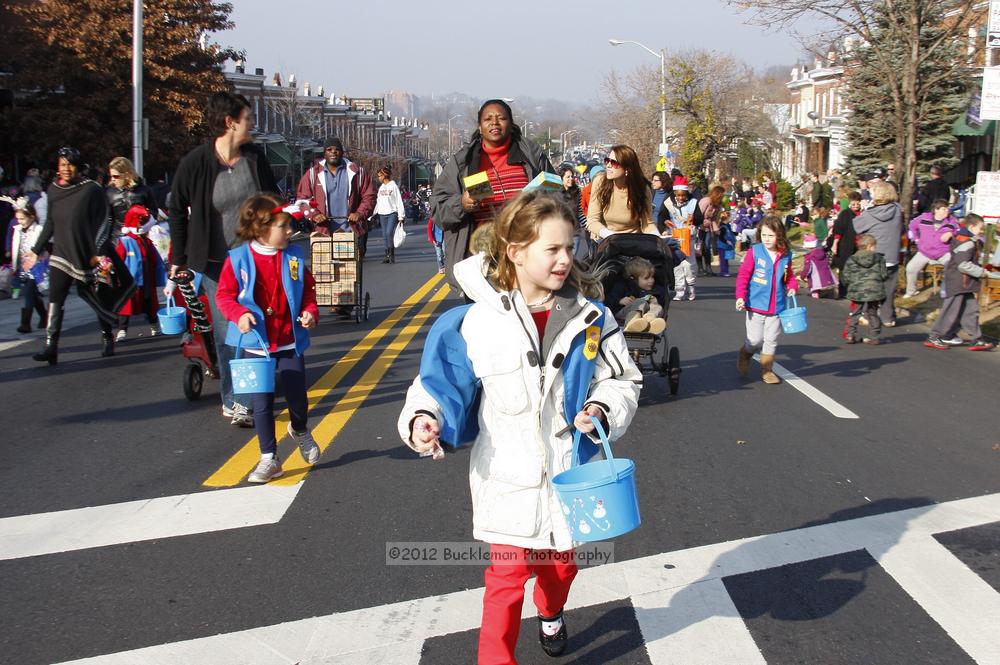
(210, 282)
(388, 223)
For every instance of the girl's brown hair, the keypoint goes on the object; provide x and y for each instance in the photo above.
(518, 225)
(384, 170)
(257, 213)
(776, 224)
(715, 194)
(636, 184)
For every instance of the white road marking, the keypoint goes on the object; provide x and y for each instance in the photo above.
(810, 391)
(676, 595)
(165, 517)
(957, 598)
(698, 620)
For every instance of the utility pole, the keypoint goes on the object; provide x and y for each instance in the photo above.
(137, 134)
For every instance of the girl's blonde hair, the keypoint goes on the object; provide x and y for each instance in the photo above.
(518, 224)
(257, 213)
(124, 166)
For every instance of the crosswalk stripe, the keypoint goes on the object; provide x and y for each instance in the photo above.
(329, 427)
(664, 583)
(958, 599)
(132, 521)
(242, 462)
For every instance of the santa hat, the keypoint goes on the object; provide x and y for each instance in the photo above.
(680, 183)
(302, 208)
(135, 217)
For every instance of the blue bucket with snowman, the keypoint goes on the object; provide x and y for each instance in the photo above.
(172, 319)
(598, 498)
(254, 374)
(793, 320)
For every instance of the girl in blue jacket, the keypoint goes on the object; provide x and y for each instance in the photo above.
(765, 280)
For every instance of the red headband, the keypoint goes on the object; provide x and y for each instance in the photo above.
(275, 210)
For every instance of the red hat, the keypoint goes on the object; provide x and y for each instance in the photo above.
(681, 183)
(135, 217)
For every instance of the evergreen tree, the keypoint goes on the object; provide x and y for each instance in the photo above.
(72, 65)
(871, 134)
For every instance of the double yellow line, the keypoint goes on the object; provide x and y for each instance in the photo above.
(240, 464)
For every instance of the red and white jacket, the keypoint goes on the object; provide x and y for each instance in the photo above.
(361, 194)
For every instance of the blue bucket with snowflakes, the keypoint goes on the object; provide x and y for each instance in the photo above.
(599, 498)
(254, 374)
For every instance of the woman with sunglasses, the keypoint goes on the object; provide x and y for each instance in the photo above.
(126, 189)
(509, 159)
(619, 199)
(78, 209)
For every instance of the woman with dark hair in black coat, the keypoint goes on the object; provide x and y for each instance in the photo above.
(78, 213)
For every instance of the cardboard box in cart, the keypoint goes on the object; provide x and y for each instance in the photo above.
(335, 268)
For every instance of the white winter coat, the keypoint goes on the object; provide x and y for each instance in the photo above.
(518, 450)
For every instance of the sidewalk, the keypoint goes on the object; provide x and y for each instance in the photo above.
(76, 313)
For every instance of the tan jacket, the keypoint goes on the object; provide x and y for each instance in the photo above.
(617, 218)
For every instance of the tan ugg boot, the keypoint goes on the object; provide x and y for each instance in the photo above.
(743, 361)
(767, 369)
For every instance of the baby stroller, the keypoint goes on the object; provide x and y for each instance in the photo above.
(609, 261)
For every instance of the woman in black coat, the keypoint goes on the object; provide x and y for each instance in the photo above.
(78, 212)
(842, 237)
(126, 189)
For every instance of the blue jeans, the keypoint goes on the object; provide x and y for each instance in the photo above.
(210, 282)
(388, 223)
(439, 254)
(291, 370)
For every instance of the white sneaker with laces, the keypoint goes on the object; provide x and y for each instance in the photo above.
(241, 416)
(954, 341)
(307, 445)
(120, 337)
(267, 469)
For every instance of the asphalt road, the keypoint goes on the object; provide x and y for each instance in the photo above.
(725, 461)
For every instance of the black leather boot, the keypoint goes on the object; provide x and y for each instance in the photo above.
(392, 255)
(43, 318)
(51, 351)
(385, 259)
(107, 341)
(25, 326)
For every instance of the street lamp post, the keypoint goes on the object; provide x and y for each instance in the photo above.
(457, 115)
(663, 82)
(137, 86)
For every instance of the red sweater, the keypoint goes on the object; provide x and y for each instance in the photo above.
(506, 180)
(268, 291)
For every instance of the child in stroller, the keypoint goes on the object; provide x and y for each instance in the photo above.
(633, 300)
(646, 337)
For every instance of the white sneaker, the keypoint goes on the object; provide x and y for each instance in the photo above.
(267, 469)
(153, 332)
(954, 341)
(307, 445)
(691, 297)
(242, 417)
(120, 337)
(679, 297)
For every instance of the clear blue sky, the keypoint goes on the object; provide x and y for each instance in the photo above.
(540, 48)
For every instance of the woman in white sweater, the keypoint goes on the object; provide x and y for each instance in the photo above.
(389, 210)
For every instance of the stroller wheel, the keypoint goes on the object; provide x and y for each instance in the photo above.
(194, 378)
(674, 370)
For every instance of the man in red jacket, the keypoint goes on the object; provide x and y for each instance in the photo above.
(343, 191)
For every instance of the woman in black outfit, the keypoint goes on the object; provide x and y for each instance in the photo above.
(78, 211)
(840, 242)
(126, 189)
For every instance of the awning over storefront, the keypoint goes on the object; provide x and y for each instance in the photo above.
(278, 154)
(963, 128)
(421, 172)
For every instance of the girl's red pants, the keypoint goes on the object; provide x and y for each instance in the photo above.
(510, 569)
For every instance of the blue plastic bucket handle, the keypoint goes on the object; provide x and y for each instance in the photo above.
(263, 346)
(609, 457)
(795, 304)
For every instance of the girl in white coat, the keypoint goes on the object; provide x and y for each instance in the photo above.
(528, 306)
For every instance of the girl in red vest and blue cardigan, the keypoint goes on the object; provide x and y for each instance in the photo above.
(265, 286)
(765, 281)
